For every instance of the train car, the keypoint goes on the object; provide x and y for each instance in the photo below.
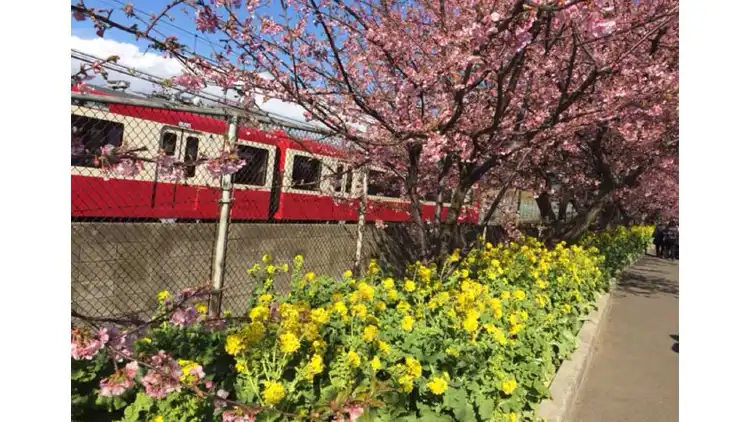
(283, 179)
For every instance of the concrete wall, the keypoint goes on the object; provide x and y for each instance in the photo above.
(117, 268)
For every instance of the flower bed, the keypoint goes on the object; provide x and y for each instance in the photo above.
(477, 339)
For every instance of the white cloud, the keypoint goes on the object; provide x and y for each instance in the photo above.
(157, 65)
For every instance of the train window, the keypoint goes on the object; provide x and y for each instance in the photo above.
(338, 178)
(254, 171)
(349, 180)
(306, 173)
(191, 155)
(447, 196)
(381, 184)
(89, 135)
(169, 142)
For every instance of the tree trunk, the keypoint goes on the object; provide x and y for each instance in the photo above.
(584, 220)
(452, 233)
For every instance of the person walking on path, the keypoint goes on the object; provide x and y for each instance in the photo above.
(658, 236)
(671, 240)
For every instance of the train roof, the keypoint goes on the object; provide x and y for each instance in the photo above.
(165, 112)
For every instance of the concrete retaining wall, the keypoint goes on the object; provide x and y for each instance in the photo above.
(117, 268)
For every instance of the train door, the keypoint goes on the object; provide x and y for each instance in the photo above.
(182, 198)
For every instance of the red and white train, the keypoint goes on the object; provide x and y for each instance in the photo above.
(283, 180)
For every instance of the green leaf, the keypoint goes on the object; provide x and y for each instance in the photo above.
(486, 407)
(142, 403)
(458, 401)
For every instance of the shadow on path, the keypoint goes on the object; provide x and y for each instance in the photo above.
(649, 277)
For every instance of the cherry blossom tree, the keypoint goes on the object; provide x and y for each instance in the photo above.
(442, 93)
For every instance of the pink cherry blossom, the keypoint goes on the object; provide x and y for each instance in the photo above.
(168, 170)
(468, 94)
(119, 382)
(237, 415)
(183, 317)
(85, 344)
(226, 163)
(164, 378)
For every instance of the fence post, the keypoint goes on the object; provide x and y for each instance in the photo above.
(217, 273)
(361, 222)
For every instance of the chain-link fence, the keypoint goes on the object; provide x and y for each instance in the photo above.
(148, 197)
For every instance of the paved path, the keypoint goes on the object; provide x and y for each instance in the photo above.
(633, 374)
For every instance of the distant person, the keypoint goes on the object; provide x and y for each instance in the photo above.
(658, 236)
(671, 240)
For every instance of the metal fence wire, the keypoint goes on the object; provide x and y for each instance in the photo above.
(137, 229)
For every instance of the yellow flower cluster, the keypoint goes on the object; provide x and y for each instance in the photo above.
(274, 392)
(343, 331)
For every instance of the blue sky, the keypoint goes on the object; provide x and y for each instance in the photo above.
(181, 25)
(133, 53)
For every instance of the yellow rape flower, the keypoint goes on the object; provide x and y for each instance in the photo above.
(407, 323)
(380, 306)
(403, 307)
(187, 366)
(505, 295)
(310, 331)
(438, 385)
(452, 351)
(241, 366)
(424, 273)
(315, 367)
(470, 324)
(265, 299)
(289, 342)
(163, 295)
(273, 393)
(519, 295)
(359, 310)
(497, 307)
(541, 300)
(158, 419)
(298, 261)
(373, 268)
(392, 294)
(515, 329)
(384, 347)
(509, 386)
(260, 313)
(366, 291)
(410, 286)
(567, 308)
(267, 259)
(407, 384)
(375, 364)
(353, 359)
(340, 308)
(320, 315)
(413, 367)
(319, 346)
(347, 274)
(201, 308)
(254, 332)
(371, 333)
(388, 283)
(235, 344)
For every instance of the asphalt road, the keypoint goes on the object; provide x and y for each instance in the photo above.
(633, 375)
